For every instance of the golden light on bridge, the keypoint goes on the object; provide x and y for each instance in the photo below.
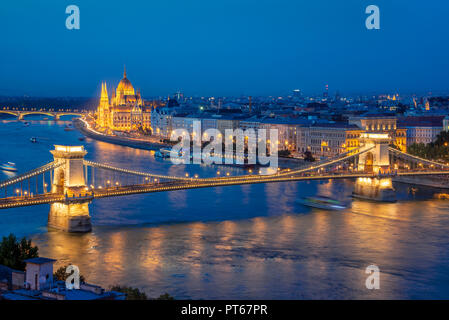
(69, 149)
(375, 135)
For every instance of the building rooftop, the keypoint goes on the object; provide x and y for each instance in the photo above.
(421, 121)
(336, 125)
(376, 115)
(5, 273)
(40, 260)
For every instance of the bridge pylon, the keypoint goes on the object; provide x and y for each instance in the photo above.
(377, 161)
(71, 215)
(378, 158)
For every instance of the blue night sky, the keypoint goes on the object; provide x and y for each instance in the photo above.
(223, 47)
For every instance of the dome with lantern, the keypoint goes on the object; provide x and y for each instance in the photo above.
(125, 87)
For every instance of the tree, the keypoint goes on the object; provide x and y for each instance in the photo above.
(437, 150)
(13, 253)
(136, 294)
(61, 275)
(418, 149)
(131, 293)
(442, 139)
(165, 296)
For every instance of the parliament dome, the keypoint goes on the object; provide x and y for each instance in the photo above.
(125, 87)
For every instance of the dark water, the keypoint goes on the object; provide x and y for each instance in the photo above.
(242, 242)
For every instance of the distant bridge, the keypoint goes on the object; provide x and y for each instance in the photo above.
(57, 114)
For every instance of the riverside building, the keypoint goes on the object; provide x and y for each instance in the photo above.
(124, 111)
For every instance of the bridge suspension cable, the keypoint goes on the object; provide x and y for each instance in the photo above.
(422, 160)
(137, 173)
(325, 163)
(47, 167)
(328, 162)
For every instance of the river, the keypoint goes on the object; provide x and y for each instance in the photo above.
(239, 242)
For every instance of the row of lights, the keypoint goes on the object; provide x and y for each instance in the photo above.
(421, 159)
(45, 168)
(215, 184)
(139, 173)
(224, 182)
(21, 204)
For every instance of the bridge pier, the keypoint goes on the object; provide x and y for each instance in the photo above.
(375, 189)
(71, 215)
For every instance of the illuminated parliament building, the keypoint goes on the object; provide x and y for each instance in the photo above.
(125, 111)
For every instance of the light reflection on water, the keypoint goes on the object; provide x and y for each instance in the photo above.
(236, 242)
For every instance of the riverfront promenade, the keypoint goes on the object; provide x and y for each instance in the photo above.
(81, 125)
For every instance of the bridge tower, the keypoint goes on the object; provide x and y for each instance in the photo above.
(72, 214)
(378, 158)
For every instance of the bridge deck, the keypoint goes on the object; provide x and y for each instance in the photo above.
(13, 202)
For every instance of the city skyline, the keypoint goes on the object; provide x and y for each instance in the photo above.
(203, 151)
(223, 49)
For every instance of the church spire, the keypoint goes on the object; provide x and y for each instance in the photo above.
(124, 71)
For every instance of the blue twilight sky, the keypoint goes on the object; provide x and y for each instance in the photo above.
(224, 47)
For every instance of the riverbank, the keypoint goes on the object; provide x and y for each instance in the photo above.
(283, 162)
(438, 182)
(123, 141)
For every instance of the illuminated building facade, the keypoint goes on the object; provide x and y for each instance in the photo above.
(424, 129)
(124, 111)
(328, 139)
(378, 123)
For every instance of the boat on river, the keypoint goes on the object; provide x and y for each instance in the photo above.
(10, 166)
(321, 202)
(162, 153)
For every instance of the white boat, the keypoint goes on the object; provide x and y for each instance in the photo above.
(33, 139)
(162, 153)
(10, 166)
(325, 203)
